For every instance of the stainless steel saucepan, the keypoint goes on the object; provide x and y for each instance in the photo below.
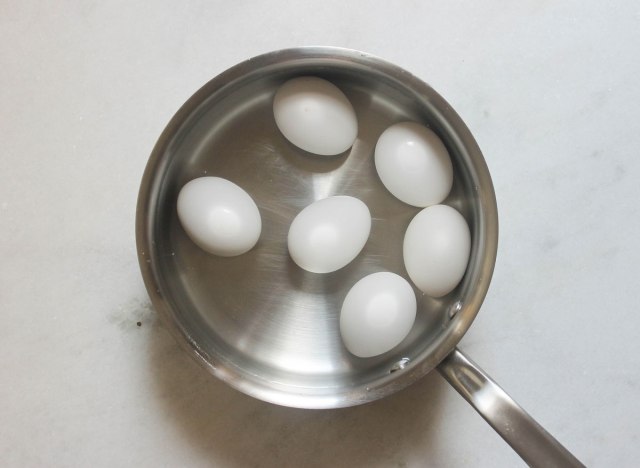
(262, 324)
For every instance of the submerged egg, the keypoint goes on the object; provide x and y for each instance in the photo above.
(436, 249)
(315, 115)
(377, 314)
(413, 164)
(219, 216)
(329, 233)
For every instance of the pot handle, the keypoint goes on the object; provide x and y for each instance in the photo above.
(529, 439)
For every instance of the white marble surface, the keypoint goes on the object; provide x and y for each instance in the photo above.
(550, 90)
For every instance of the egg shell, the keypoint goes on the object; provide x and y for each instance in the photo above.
(328, 234)
(219, 216)
(413, 164)
(315, 115)
(436, 249)
(377, 314)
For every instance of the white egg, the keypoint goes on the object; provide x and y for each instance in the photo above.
(413, 164)
(219, 216)
(329, 233)
(377, 314)
(315, 115)
(436, 249)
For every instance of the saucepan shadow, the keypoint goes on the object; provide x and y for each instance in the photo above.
(236, 430)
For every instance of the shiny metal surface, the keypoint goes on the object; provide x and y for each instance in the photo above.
(530, 440)
(259, 322)
(271, 329)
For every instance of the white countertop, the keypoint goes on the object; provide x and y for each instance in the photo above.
(549, 89)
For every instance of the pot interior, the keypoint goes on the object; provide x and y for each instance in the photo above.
(257, 320)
